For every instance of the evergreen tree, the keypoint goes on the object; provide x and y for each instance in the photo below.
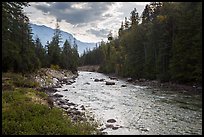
(134, 18)
(40, 52)
(18, 51)
(66, 55)
(167, 45)
(54, 51)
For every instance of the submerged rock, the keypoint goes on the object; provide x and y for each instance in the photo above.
(109, 126)
(86, 83)
(114, 128)
(110, 83)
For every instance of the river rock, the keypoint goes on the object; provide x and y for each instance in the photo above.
(111, 120)
(145, 129)
(70, 104)
(102, 128)
(68, 83)
(113, 78)
(103, 133)
(129, 79)
(123, 85)
(57, 95)
(63, 101)
(75, 118)
(109, 126)
(101, 79)
(57, 86)
(71, 81)
(110, 83)
(96, 80)
(49, 89)
(63, 81)
(55, 80)
(114, 128)
(65, 106)
(76, 112)
(142, 80)
(82, 107)
(87, 83)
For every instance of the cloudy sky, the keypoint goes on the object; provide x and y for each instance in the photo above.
(87, 21)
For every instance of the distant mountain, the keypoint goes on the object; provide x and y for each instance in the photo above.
(46, 33)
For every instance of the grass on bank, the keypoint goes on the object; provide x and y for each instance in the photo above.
(25, 111)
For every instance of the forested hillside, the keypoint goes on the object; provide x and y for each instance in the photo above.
(21, 54)
(165, 43)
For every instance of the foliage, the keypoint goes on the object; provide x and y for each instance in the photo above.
(54, 67)
(17, 46)
(166, 45)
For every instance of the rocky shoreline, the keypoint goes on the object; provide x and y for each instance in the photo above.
(49, 80)
(182, 88)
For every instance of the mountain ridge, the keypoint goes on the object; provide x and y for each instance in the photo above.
(46, 33)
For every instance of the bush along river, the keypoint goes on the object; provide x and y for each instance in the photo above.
(125, 108)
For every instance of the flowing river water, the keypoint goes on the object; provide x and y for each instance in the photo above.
(138, 110)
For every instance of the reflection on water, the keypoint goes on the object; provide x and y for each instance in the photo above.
(135, 109)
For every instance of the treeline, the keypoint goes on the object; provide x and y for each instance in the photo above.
(20, 53)
(165, 43)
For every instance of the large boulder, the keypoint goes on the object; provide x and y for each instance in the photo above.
(111, 120)
(123, 85)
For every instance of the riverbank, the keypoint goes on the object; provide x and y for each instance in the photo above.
(182, 88)
(172, 86)
(90, 68)
(29, 106)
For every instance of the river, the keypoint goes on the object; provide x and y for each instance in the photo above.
(138, 110)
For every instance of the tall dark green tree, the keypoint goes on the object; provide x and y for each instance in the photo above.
(18, 53)
(166, 45)
(134, 18)
(54, 51)
(66, 55)
(40, 51)
(186, 63)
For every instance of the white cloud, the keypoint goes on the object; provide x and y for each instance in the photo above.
(81, 19)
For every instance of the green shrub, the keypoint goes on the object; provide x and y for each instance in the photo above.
(19, 81)
(55, 67)
(21, 116)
